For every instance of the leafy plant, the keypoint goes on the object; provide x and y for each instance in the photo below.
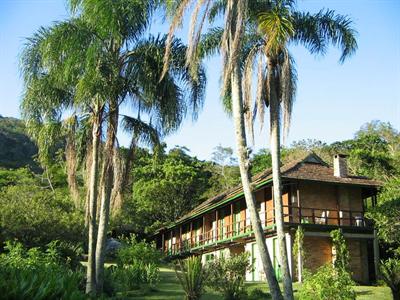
(342, 253)
(192, 275)
(133, 251)
(227, 275)
(35, 274)
(390, 272)
(326, 284)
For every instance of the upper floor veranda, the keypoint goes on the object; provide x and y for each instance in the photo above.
(312, 196)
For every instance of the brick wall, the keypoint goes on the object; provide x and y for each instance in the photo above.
(358, 260)
(318, 251)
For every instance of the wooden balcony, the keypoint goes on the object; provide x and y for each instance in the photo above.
(243, 229)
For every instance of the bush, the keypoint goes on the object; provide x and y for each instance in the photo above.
(35, 216)
(34, 274)
(192, 276)
(137, 267)
(326, 284)
(131, 277)
(390, 271)
(133, 251)
(227, 275)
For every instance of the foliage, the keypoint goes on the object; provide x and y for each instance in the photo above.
(386, 214)
(390, 272)
(326, 284)
(131, 277)
(167, 188)
(298, 247)
(17, 150)
(225, 172)
(192, 275)
(34, 274)
(134, 251)
(342, 256)
(227, 275)
(35, 215)
(258, 294)
(137, 267)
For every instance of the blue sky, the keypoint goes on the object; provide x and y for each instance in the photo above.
(332, 102)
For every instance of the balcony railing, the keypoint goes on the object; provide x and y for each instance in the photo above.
(243, 228)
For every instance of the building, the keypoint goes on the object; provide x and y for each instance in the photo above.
(315, 196)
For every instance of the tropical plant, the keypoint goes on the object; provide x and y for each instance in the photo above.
(35, 274)
(114, 64)
(390, 273)
(342, 257)
(228, 41)
(227, 275)
(134, 251)
(192, 275)
(298, 252)
(279, 26)
(326, 284)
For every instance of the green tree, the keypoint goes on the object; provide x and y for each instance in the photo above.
(228, 41)
(279, 26)
(115, 63)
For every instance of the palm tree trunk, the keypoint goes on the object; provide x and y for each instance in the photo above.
(240, 134)
(71, 165)
(91, 266)
(276, 180)
(106, 187)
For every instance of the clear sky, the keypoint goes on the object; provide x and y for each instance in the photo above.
(332, 102)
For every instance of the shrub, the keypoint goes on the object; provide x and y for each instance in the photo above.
(326, 284)
(390, 272)
(34, 274)
(227, 275)
(136, 267)
(131, 277)
(192, 276)
(133, 251)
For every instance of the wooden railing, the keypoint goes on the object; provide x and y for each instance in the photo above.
(291, 214)
(319, 216)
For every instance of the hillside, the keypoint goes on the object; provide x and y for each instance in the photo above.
(16, 148)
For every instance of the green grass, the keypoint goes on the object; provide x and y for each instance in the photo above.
(170, 289)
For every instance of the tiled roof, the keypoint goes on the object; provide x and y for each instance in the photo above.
(310, 167)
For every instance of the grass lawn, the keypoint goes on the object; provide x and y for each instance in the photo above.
(170, 289)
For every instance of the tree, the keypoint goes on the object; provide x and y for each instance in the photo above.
(114, 64)
(230, 45)
(279, 26)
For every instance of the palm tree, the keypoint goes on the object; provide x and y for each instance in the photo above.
(230, 45)
(269, 57)
(102, 59)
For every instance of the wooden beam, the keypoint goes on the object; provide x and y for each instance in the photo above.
(191, 233)
(216, 224)
(162, 242)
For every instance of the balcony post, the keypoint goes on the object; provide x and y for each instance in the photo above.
(203, 233)
(180, 237)
(298, 201)
(216, 225)
(232, 225)
(191, 235)
(162, 242)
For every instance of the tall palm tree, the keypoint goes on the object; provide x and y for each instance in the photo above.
(230, 45)
(269, 57)
(101, 59)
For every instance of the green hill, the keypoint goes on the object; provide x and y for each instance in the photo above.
(16, 148)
